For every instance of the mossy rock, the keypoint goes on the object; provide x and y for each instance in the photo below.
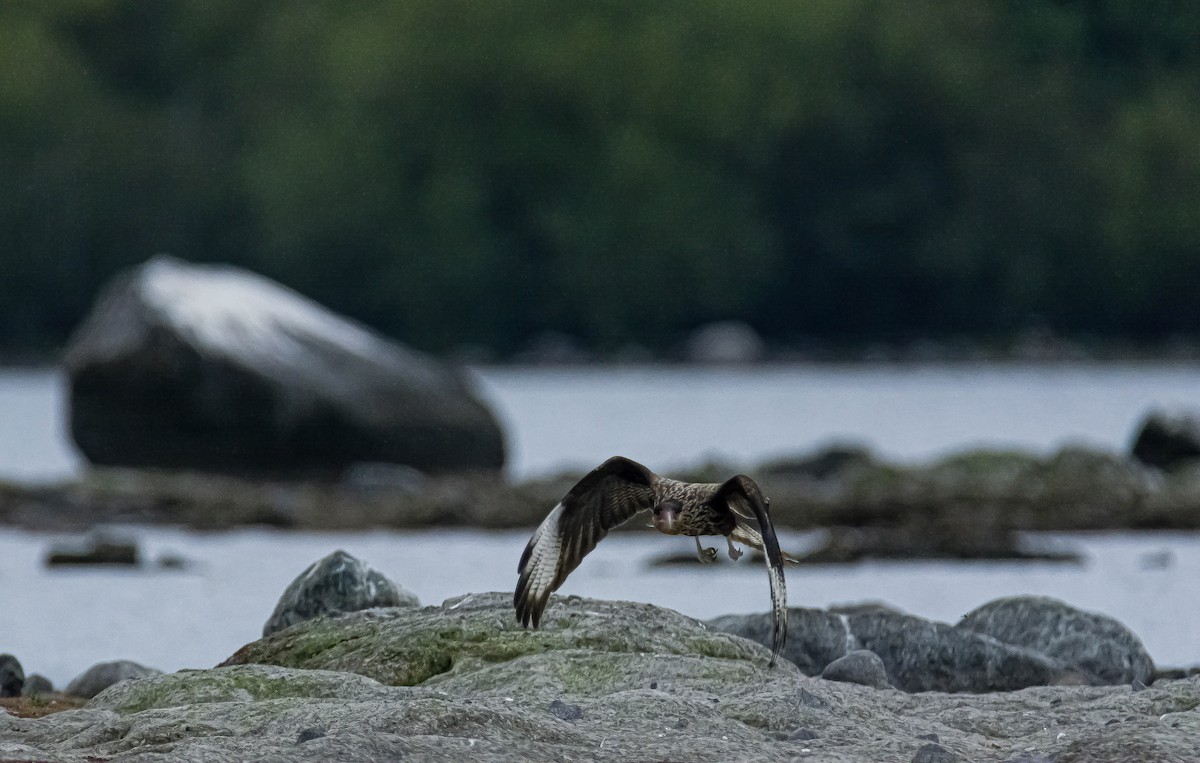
(239, 683)
(587, 673)
(406, 647)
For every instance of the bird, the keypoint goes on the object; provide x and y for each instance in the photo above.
(619, 489)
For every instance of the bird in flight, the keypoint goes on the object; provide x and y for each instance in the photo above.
(620, 488)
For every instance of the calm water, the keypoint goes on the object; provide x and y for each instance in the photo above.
(672, 416)
(59, 622)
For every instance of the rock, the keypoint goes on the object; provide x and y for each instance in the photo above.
(169, 560)
(215, 368)
(12, 676)
(815, 637)
(921, 655)
(934, 753)
(825, 463)
(332, 585)
(1092, 643)
(724, 342)
(102, 675)
(36, 685)
(406, 646)
(715, 700)
(1105, 486)
(847, 545)
(917, 654)
(564, 711)
(99, 548)
(309, 734)
(858, 667)
(1166, 440)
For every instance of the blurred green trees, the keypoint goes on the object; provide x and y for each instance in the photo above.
(454, 171)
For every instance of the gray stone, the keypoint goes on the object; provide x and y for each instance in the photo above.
(12, 676)
(216, 368)
(715, 700)
(858, 667)
(335, 584)
(921, 655)
(566, 712)
(102, 675)
(917, 654)
(36, 685)
(1167, 440)
(97, 548)
(309, 734)
(815, 637)
(934, 753)
(1092, 643)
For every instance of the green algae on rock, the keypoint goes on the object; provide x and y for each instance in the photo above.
(406, 647)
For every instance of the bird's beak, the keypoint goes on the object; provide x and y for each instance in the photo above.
(666, 517)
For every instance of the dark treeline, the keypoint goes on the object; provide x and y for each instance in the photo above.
(462, 172)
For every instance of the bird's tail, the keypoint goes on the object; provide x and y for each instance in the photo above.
(748, 536)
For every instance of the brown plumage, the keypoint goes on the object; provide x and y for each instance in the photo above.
(617, 490)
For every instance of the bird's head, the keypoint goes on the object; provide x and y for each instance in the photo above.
(666, 516)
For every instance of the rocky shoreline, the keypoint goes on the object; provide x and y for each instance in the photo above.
(972, 504)
(602, 680)
(351, 667)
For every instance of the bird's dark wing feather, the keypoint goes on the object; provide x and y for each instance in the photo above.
(607, 496)
(743, 497)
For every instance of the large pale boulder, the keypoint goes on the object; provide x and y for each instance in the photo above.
(214, 367)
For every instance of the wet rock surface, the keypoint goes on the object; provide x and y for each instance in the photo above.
(605, 680)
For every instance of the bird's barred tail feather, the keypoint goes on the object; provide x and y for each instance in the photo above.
(538, 570)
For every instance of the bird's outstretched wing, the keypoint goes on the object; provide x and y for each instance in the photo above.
(607, 496)
(743, 497)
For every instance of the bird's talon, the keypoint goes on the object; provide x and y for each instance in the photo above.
(735, 553)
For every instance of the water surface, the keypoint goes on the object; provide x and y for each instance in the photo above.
(670, 416)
